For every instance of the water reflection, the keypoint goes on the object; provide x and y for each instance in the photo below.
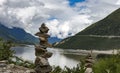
(59, 57)
(25, 52)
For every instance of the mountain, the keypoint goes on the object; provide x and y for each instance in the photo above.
(108, 26)
(21, 36)
(17, 35)
(104, 34)
(53, 40)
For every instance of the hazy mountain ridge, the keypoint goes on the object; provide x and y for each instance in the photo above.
(17, 35)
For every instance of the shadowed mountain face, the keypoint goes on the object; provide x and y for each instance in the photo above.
(17, 35)
(103, 34)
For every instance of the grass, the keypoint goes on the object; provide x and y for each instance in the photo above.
(108, 65)
(90, 42)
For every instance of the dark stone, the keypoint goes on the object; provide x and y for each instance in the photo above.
(45, 69)
(89, 61)
(88, 65)
(43, 29)
(42, 39)
(44, 43)
(3, 65)
(42, 35)
(39, 51)
(47, 55)
(41, 61)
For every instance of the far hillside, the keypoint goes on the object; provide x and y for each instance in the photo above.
(109, 26)
(104, 34)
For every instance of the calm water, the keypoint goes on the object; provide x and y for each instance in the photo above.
(60, 57)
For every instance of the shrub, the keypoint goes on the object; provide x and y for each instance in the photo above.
(108, 65)
(5, 52)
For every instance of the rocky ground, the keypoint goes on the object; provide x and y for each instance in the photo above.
(11, 68)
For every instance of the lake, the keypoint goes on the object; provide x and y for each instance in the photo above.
(60, 57)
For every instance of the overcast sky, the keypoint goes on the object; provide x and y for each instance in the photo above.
(63, 17)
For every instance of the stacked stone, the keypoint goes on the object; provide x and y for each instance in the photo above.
(88, 64)
(3, 65)
(42, 55)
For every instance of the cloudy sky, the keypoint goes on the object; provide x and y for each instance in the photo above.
(63, 17)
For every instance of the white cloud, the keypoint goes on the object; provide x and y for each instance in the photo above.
(97, 9)
(62, 19)
(2, 2)
(118, 2)
(69, 27)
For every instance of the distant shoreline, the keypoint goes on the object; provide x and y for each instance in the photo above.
(94, 52)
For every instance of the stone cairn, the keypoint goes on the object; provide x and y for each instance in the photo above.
(88, 63)
(41, 62)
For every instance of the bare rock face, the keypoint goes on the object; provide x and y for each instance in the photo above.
(42, 55)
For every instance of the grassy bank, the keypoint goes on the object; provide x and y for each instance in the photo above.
(90, 42)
